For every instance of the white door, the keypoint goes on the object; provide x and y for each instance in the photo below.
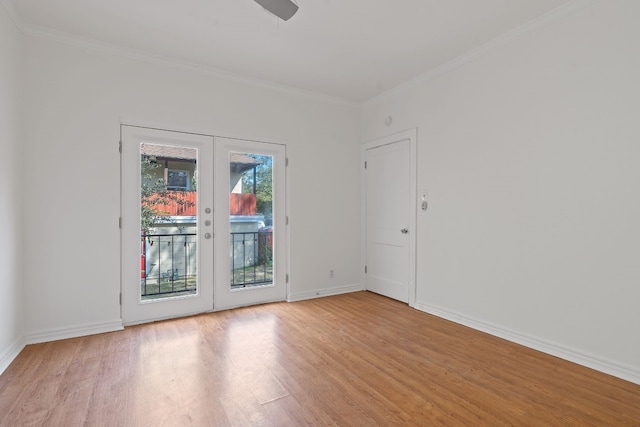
(167, 224)
(250, 223)
(389, 217)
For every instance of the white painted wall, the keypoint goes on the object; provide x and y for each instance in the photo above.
(75, 99)
(11, 287)
(531, 159)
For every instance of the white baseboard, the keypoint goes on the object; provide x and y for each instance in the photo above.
(325, 292)
(615, 369)
(8, 355)
(74, 332)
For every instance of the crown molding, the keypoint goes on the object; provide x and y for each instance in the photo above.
(13, 13)
(558, 13)
(139, 55)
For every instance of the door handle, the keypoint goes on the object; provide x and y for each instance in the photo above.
(404, 231)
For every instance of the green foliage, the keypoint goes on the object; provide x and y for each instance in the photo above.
(264, 185)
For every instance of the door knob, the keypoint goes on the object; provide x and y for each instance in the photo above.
(404, 231)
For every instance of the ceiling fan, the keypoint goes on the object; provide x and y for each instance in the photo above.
(283, 9)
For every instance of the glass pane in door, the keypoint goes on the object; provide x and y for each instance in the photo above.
(168, 221)
(251, 220)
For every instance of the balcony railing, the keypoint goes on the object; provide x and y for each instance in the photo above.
(176, 203)
(251, 259)
(168, 265)
(242, 204)
(169, 262)
(183, 203)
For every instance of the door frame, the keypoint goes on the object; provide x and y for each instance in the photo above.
(411, 135)
(213, 134)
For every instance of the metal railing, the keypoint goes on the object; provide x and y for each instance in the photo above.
(251, 259)
(169, 262)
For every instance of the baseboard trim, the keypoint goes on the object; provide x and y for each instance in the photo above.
(325, 292)
(611, 368)
(74, 332)
(8, 355)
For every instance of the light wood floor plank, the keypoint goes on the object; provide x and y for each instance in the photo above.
(350, 360)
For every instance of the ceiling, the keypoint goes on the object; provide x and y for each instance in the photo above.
(348, 49)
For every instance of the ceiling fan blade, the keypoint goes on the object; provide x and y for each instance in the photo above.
(283, 9)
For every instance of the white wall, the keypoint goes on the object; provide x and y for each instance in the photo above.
(75, 99)
(11, 289)
(531, 159)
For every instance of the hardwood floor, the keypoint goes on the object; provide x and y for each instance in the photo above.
(351, 360)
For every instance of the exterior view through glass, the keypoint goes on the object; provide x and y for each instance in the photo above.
(251, 220)
(168, 221)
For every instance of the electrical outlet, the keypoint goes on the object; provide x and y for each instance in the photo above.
(332, 274)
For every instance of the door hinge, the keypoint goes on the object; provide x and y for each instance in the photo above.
(286, 162)
(365, 165)
(286, 220)
(286, 278)
(120, 147)
(120, 222)
(120, 298)
(365, 269)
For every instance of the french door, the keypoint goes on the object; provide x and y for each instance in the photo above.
(250, 223)
(167, 224)
(188, 247)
